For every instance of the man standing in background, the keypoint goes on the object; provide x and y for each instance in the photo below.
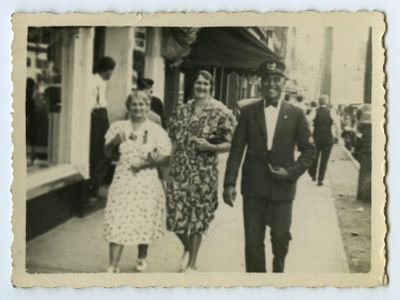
(325, 135)
(99, 124)
(156, 105)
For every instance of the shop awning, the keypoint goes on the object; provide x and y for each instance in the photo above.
(232, 48)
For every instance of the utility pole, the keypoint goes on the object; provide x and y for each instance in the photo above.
(368, 70)
(326, 78)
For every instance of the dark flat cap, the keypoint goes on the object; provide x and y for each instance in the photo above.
(144, 83)
(271, 67)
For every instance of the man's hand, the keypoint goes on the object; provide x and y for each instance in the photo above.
(278, 172)
(229, 195)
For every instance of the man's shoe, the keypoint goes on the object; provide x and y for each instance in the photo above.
(278, 264)
(320, 183)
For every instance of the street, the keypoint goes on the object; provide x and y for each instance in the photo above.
(79, 246)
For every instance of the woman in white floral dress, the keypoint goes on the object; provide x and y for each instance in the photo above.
(135, 207)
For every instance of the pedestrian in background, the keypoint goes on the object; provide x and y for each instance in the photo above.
(199, 130)
(301, 104)
(325, 133)
(30, 125)
(99, 123)
(135, 210)
(269, 129)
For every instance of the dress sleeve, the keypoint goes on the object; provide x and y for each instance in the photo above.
(163, 143)
(173, 122)
(112, 132)
(226, 125)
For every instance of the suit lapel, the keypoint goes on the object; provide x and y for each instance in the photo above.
(260, 118)
(283, 118)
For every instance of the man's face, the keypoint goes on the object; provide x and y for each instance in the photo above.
(149, 91)
(272, 86)
(106, 75)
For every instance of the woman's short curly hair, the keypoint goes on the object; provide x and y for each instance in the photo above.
(206, 75)
(137, 95)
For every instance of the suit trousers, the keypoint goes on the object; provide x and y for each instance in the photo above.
(323, 153)
(259, 213)
(99, 163)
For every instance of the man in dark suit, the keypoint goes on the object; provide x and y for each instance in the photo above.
(325, 135)
(270, 129)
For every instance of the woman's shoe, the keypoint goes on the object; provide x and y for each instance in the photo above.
(112, 270)
(190, 270)
(141, 265)
(184, 261)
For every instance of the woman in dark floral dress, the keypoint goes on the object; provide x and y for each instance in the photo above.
(199, 130)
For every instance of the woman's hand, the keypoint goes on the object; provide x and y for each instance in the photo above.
(203, 145)
(119, 138)
(138, 166)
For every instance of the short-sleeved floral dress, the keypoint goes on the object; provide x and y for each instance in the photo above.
(192, 186)
(135, 210)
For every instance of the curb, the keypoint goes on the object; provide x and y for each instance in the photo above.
(354, 161)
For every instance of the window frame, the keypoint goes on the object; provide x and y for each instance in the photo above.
(73, 144)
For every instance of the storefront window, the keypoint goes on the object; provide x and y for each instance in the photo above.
(44, 84)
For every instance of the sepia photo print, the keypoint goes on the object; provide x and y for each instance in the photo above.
(199, 149)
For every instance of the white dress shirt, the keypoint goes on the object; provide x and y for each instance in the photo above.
(98, 92)
(271, 118)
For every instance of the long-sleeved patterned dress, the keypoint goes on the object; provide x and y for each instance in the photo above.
(192, 187)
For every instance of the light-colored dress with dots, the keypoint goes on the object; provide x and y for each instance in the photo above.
(135, 210)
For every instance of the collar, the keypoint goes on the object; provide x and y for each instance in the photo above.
(278, 106)
(99, 78)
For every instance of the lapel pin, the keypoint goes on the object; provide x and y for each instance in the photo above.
(285, 116)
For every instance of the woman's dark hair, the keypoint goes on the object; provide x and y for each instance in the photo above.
(207, 75)
(105, 64)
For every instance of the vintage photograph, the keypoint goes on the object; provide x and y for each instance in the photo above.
(234, 153)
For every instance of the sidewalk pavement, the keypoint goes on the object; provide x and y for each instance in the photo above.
(79, 246)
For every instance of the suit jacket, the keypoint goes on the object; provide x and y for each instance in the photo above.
(323, 127)
(291, 129)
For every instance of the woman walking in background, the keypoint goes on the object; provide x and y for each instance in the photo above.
(199, 130)
(135, 208)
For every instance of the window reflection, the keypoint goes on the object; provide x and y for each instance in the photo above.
(43, 96)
